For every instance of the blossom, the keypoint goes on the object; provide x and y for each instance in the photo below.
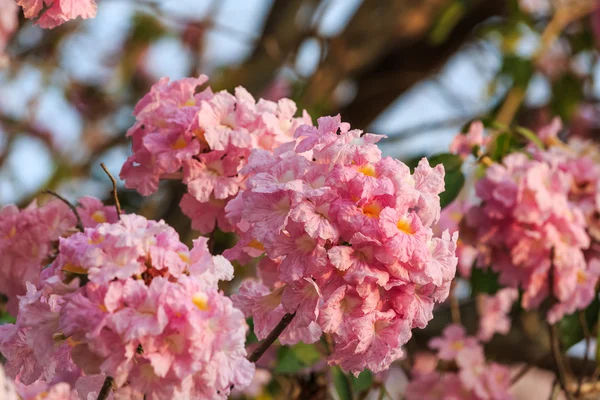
(347, 242)
(28, 239)
(8, 25)
(530, 225)
(185, 131)
(475, 379)
(57, 12)
(493, 312)
(463, 144)
(130, 301)
(452, 343)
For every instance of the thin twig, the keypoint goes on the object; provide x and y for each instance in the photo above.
(553, 391)
(258, 353)
(43, 11)
(588, 340)
(113, 192)
(454, 304)
(69, 204)
(561, 19)
(106, 388)
(522, 372)
(560, 365)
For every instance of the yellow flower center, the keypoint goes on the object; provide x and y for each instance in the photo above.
(255, 244)
(12, 232)
(179, 144)
(372, 209)
(404, 226)
(99, 216)
(184, 257)
(458, 345)
(75, 269)
(368, 170)
(201, 301)
(581, 277)
(190, 103)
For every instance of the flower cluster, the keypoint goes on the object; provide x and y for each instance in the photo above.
(493, 313)
(52, 13)
(475, 379)
(8, 24)
(530, 227)
(130, 301)
(183, 131)
(348, 243)
(28, 239)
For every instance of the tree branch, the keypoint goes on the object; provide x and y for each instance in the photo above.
(258, 353)
(70, 205)
(113, 191)
(106, 388)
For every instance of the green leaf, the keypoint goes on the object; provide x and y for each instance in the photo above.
(453, 179)
(6, 318)
(570, 329)
(484, 281)
(567, 93)
(518, 68)
(250, 336)
(342, 384)
(363, 382)
(296, 358)
(505, 143)
(531, 136)
(446, 22)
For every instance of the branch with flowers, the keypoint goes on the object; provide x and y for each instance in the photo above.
(344, 255)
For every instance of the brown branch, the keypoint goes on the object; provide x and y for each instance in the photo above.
(69, 204)
(564, 15)
(113, 191)
(588, 340)
(258, 353)
(521, 373)
(106, 388)
(560, 363)
(454, 304)
(405, 59)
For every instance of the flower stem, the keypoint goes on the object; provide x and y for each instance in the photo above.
(70, 205)
(279, 328)
(113, 191)
(106, 388)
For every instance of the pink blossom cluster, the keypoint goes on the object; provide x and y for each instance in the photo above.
(474, 379)
(185, 131)
(531, 228)
(494, 313)
(130, 301)
(29, 238)
(347, 241)
(52, 13)
(8, 24)
(463, 144)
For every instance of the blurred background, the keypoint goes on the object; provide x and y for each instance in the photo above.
(417, 71)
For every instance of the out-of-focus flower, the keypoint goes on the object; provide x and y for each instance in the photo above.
(52, 13)
(475, 380)
(8, 24)
(28, 239)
